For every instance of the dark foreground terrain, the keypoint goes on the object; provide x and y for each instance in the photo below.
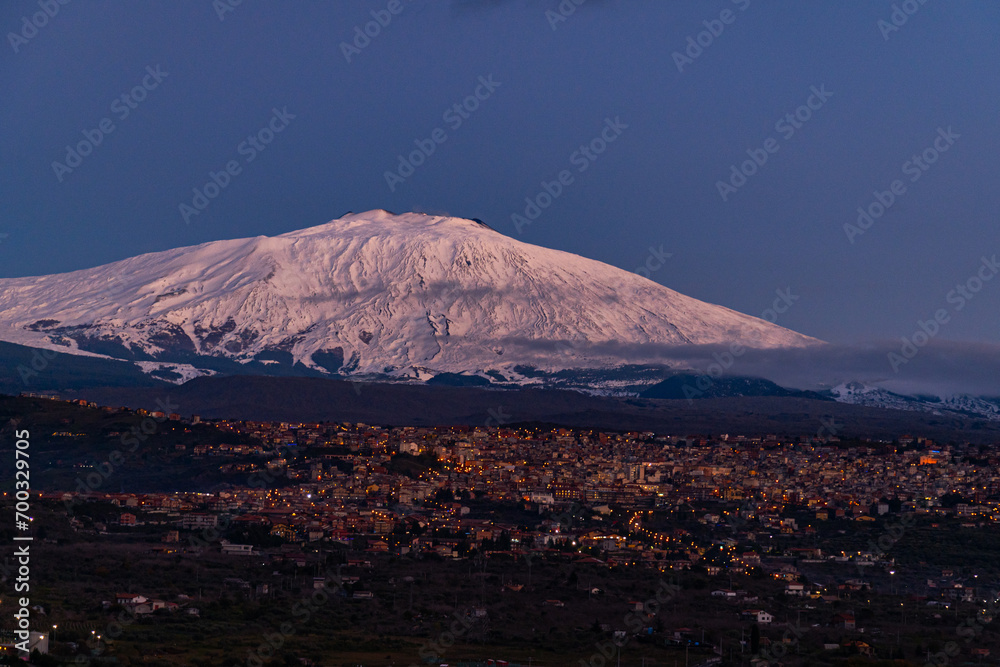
(323, 603)
(317, 399)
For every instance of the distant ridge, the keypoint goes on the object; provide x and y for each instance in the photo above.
(318, 399)
(688, 387)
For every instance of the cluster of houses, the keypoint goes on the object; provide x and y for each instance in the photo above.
(139, 605)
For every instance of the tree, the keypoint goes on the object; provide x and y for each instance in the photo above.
(444, 495)
(754, 639)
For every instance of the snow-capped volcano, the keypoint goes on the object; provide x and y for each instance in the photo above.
(372, 293)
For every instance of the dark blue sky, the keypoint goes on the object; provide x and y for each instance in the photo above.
(654, 185)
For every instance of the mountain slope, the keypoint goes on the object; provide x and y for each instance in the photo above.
(858, 393)
(373, 293)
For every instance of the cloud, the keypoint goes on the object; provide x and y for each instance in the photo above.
(939, 368)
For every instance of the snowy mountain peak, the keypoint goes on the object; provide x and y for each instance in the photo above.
(859, 393)
(409, 295)
(362, 222)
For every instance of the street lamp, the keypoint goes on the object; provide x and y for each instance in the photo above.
(53, 635)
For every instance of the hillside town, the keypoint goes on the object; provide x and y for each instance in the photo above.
(413, 489)
(842, 542)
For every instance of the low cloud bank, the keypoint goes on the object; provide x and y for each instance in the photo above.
(937, 368)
